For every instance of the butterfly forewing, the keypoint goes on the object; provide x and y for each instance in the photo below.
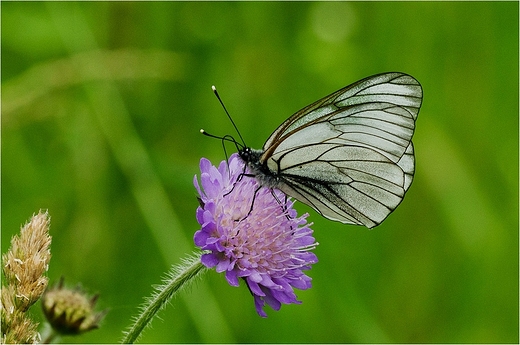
(350, 155)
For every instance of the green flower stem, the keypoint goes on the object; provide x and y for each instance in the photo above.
(179, 276)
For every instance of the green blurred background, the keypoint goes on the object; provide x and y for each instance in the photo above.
(102, 104)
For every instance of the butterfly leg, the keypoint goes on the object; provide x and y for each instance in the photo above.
(283, 204)
(239, 178)
(252, 204)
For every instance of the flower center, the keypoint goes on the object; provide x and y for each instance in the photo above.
(263, 240)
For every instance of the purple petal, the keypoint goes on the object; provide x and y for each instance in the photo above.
(255, 288)
(259, 305)
(222, 266)
(200, 238)
(199, 215)
(231, 277)
(209, 260)
(271, 301)
(196, 184)
(205, 165)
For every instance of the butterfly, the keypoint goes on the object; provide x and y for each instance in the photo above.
(348, 155)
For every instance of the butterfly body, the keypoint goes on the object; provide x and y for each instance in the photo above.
(348, 155)
(264, 175)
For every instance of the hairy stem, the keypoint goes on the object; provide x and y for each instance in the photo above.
(178, 277)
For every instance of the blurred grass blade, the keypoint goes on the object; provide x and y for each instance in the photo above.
(133, 159)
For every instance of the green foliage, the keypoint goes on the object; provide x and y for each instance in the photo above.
(102, 103)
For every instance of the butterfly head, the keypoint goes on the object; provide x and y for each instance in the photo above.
(249, 156)
(252, 158)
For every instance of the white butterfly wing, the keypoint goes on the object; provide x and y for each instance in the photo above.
(350, 155)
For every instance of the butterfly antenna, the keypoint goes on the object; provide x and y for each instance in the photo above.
(226, 137)
(222, 139)
(227, 113)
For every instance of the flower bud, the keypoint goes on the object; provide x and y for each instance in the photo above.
(70, 312)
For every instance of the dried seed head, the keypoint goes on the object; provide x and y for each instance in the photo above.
(27, 260)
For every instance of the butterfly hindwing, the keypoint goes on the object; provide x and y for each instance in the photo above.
(363, 189)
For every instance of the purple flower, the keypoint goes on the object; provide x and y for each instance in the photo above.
(268, 247)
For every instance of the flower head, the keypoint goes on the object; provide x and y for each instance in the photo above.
(267, 245)
(70, 311)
